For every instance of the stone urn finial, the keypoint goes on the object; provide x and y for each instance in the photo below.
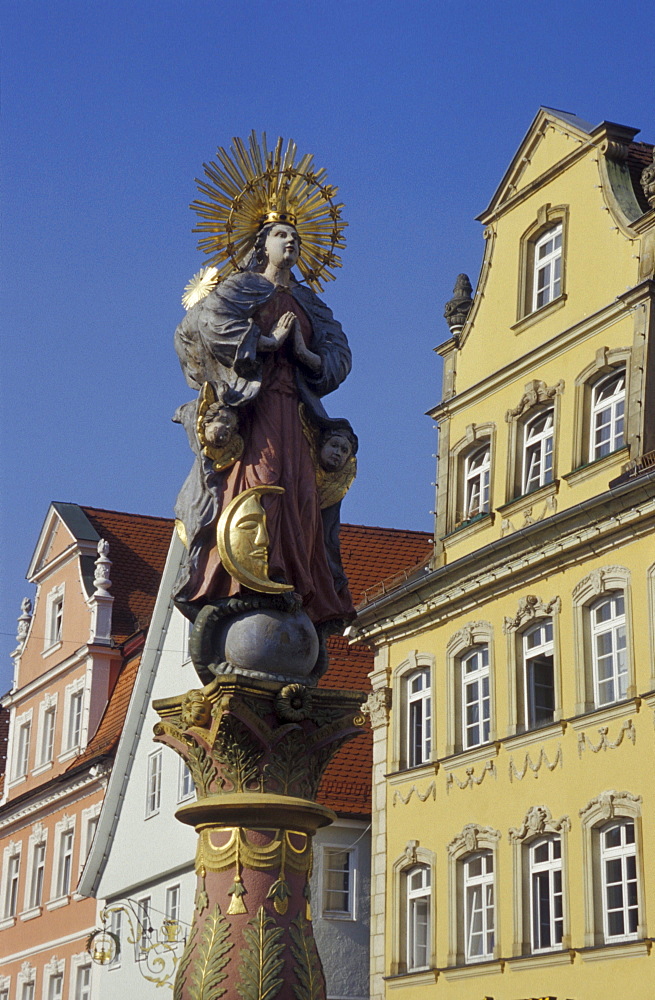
(648, 182)
(458, 308)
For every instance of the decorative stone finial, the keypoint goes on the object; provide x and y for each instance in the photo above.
(648, 182)
(101, 580)
(458, 308)
(23, 627)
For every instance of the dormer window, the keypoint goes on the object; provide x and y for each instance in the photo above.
(547, 277)
(54, 617)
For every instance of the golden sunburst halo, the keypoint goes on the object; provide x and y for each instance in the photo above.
(200, 285)
(250, 185)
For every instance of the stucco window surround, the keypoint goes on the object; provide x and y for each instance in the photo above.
(81, 978)
(22, 746)
(473, 635)
(35, 874)
(52, 971)
(595, 816)
(478, 439)
(338, 882)
(5, 987)
(473, 840)
(537, 827)
(531, 611)
(606, 362)
(54, 619)
(25, 979)
(586, 594)
(11, 865)
(413, 858)
(402, 678)
(74, 722)
(550, 219)
(61, 883)
(532, 449)
(45, 750)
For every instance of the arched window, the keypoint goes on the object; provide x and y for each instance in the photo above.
(479, 906)
(608, 648)
(419, 717)
(547, 267)
(546, 901)
(619, 881)
(418, 917)
(538, 451)
(607, 424)
(476, 697)
(477, 466)
(538, 674)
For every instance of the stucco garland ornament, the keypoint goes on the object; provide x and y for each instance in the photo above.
(251, 186)
(293, 703)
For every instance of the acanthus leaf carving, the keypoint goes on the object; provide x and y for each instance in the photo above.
(531, 607)
(538, 820)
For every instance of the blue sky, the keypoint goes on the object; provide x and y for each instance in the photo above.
(109, 110)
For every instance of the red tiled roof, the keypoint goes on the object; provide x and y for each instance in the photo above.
(369, 556)
(137, 548)
(105, 741)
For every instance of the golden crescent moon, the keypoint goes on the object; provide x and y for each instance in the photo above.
(230, 537)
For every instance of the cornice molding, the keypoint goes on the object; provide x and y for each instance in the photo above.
(44, 799)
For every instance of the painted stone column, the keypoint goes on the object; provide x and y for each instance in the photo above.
(256, 752)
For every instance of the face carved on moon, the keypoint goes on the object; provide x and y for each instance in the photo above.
(242, 540)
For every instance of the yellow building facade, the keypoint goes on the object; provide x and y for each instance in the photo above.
(513, 703)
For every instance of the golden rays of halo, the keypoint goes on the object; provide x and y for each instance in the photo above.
(249, 182)
(200, 285)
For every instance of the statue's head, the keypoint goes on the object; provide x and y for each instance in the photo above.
(336, 445)
(219, 424)
(277, 243)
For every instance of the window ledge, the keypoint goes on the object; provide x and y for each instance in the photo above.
(17, 781)
(486, 751)
(626, 949)
(68, 754)
(7, 922)
(484, 968)
(49, 650)
(606, 714)
(598, 465)
(538, 314)
(527, 499)
(30, 914)
(422, 977)
(427, 770)
(468, 528)
(537, 735)
(55, 904)
(327, 915)
(538, 961)
(42, 768)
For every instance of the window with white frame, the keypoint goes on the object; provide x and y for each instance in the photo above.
(619, 881)
(608, 647)
(607, 425)
(74, 728)
(143, 911)
(477, 467)
(185, 788)
(546, 900)
(91, 827)
(538, 451)
(479, 906)
(153, 783)
(418, 918)
(476, 697)
(338, 879)
(48, 734)
(37, 875)
(419, 717)
(27, 992)
(83, 982)
(54, 617)
(116, 928)
(539, 674)
(4, 993)
(12, 868)
(173, 902)
(23, 735)
(547, 273)
(56, 986)
(64, 863)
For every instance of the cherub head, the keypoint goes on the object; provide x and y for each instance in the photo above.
(219, 425)
(336, 446)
